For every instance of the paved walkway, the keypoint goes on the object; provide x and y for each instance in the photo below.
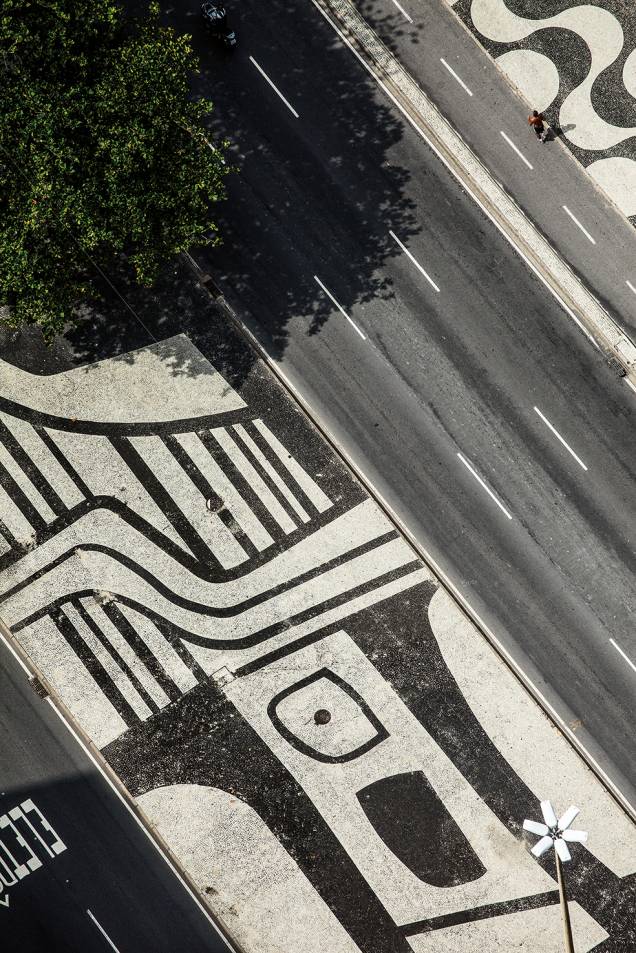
(546, 181)
(325, 742)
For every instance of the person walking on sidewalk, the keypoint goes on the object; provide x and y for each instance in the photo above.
(536, 121)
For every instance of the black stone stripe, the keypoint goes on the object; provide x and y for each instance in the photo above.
(239, 608)
(6, 533)
(123, 665)
(93, 665)
(518, 905)
(63, 462)
(282, 471)
(21, 501)
(206, 571)
(233, 526)
(270, 631)
(208, 493)
(210, 612)
(128, 517)
(117, 429)
(298, 644)
(254, 638)
(141, 650)
(265, 477)
(237, 479)
(155, 489)
(173, 635)
(30, 469)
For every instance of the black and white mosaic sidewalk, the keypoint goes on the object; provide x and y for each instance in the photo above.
(199, 577)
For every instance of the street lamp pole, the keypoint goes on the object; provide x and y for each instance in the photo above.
(556, 833)
(565, 912)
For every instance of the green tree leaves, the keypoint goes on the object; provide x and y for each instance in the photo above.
(102, 152)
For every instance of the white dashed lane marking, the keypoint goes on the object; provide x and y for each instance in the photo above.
(102, 931)
(454, 74)
(339, 307)
(484, 485)
(576, 222)
(559, 437)
(515, 149)
(416, 263)
(626, 657)
(276, 90)
(403, 11)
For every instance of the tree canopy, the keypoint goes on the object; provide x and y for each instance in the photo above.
(103, 152)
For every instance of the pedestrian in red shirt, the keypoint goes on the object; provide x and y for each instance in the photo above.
(536, 121)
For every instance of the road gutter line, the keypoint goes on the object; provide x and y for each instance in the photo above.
(530, 244)
(276, 90)
(559, 437)
(453, 73)
(339, 307)
(484, 485)
(626, 657)
(576, 222)
(102, 930)
(518, 151)
(416, 263)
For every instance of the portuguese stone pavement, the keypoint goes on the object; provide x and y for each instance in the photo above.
(326, 743)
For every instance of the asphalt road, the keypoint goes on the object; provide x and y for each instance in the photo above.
(80, 849)
(481, 110)
(409, 377)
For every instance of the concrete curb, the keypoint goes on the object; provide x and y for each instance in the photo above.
(498, 205)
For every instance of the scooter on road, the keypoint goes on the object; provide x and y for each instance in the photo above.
(215, 18)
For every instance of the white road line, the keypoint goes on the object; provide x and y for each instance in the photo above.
(192, 261)
(403, 11)
(630, 286)
(630, 384)
(16, 656)
(277, 91)
(416, 263)
(102, 930)
(339, 307)
(518, 151)
(486, 488)
(453, 73)
(559, 437)
(626, 657)
(576, 222)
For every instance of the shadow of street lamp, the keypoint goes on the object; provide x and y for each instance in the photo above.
(556, 833)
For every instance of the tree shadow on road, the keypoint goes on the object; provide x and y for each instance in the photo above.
(314, 198)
